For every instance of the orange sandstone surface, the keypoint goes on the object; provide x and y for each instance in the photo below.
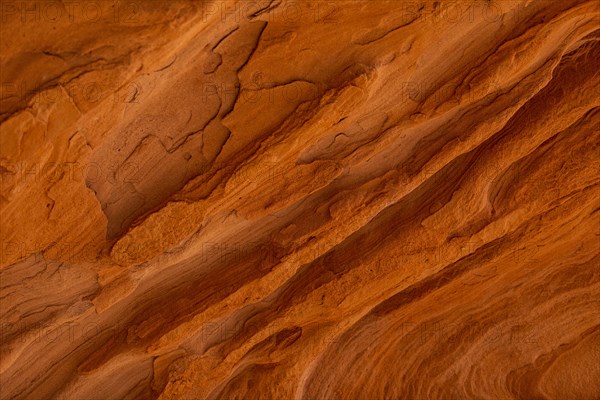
(289, 199)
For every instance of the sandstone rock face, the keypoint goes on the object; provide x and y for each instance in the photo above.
(282, 199)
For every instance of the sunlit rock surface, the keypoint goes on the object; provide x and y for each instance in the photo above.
(300, 200)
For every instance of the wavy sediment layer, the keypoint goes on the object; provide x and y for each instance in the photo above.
(300, 200)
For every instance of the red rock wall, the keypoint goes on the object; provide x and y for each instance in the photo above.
(300, 199)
